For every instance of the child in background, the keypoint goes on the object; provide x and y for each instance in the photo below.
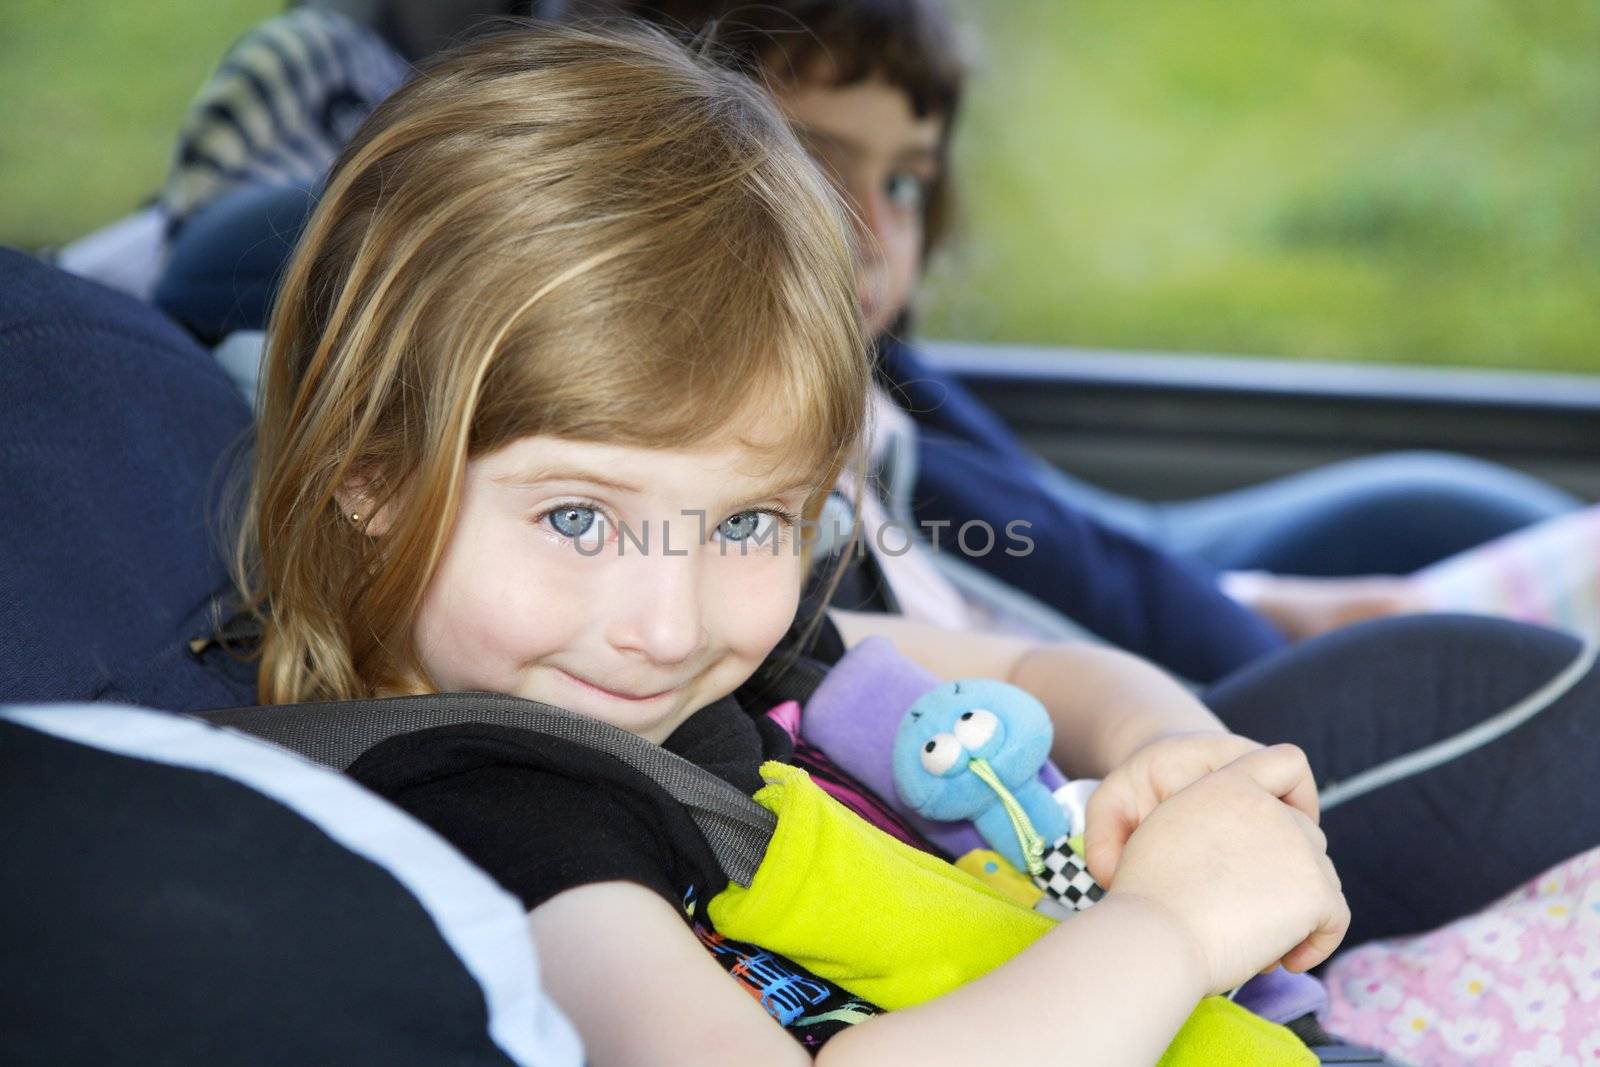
(874, 88)
(563, 288)
(1423, 705)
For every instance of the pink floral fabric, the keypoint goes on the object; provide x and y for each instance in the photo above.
(1517, 984)
(1548, 573)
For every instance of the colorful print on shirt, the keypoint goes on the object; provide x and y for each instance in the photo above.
(812, 1009)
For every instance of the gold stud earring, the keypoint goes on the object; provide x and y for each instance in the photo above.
(355, 516)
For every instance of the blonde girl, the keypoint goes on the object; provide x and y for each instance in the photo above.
(564, 290)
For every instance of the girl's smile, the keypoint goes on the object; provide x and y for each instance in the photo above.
(630, 698)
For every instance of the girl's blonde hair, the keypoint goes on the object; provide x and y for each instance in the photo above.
(589, 235)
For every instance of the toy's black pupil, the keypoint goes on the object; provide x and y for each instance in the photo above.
(929, 747)
(966, 715)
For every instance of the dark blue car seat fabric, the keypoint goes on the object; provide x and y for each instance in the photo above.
(1456, 756)
(176, 893)
(115, 433)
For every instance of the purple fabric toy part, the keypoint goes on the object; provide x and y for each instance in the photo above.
(853, 716)
(1282, 996)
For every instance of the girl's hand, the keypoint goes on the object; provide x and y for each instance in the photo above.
(1152, 774)
(1245, 874)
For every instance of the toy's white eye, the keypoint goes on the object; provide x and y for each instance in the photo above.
(940, 753)
(975, 728)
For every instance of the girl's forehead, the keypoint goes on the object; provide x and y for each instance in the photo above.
(726, 465)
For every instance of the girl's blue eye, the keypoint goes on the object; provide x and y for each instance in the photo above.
(906, 190)
(745, 525)
(571, 520)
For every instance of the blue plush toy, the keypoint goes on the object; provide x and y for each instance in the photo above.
(972, 750)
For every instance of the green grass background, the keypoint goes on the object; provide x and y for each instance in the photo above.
(1413, 181)
(91, 95)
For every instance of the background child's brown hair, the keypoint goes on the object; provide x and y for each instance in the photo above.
(911, 44)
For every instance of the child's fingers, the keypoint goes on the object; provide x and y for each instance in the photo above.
(1312, 832)
(1319, 844)
(1320, 943)
(1110, 818)
(1179, 761)
(1283, 771)
(1306, 955)
(1331, 873)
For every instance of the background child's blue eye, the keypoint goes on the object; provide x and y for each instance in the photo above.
(906, 190)
(572, 521)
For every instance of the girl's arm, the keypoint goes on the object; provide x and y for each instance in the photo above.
(1110, 992)
(1218, 883)
(1113, 986)
(640, 987)
(1105, 704)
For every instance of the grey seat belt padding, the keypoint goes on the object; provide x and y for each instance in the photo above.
(336, 733)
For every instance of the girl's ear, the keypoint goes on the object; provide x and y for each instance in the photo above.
(358, 506)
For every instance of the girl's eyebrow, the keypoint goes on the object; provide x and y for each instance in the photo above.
(530, 478)
(783, 489)
(774, 491)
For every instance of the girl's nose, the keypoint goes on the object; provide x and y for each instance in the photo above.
(656, 612)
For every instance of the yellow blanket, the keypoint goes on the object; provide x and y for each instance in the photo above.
(897, 926)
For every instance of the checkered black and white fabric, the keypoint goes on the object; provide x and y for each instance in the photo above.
(1066, 879)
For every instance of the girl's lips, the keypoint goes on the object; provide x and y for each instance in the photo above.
(615, 695)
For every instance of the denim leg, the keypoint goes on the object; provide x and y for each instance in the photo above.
(225, 265)
(1137, 518)
(1384, 514)
(1442, 842)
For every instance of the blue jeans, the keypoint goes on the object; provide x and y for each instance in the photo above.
(1458, 757)
(1383, 514)
(224, 266)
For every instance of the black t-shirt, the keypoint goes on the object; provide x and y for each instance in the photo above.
(543, 815)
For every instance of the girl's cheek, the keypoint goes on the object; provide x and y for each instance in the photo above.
(762, 595)
(498, 604)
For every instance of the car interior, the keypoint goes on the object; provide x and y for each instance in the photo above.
(173, 869)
